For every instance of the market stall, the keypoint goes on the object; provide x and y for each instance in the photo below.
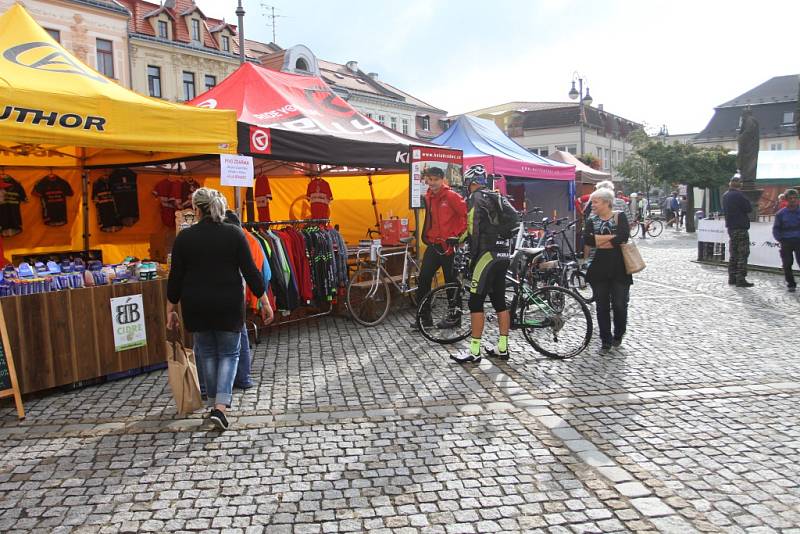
(67, 196)
(528, 178)
(585, 177)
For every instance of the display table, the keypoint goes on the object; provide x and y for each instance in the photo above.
(64, 337)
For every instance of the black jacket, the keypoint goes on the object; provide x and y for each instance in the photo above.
(483, 235)
(737, 208)
(208, 262)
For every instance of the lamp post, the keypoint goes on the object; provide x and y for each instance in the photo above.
(584, 100)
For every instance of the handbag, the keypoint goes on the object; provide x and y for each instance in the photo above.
(630, 254)
(182, 377)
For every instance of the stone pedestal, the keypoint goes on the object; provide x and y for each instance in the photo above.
(753, 195)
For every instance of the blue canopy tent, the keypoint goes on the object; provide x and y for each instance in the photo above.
(530, 179)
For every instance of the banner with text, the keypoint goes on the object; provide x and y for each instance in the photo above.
(450, 161)
(764, 250)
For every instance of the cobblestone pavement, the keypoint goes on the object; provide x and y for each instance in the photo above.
(692, 425)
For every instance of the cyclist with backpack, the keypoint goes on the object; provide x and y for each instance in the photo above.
(490, 222)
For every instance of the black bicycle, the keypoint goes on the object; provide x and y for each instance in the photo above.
(554, 320)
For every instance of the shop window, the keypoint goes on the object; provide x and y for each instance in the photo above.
(154, 81)
(393, 123)
(226, 43)
(163, 30)
(188, 85)
(105, 57)
(405, 126)
(195, 30)
(55, 34)
(211, 81)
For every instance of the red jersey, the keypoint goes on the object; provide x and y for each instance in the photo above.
(319, 196)
(263, 196)
(164, 192)
(445, 216)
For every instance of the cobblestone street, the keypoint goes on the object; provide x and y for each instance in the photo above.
(693, 425)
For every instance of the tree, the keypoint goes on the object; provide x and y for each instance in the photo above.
(689, 165)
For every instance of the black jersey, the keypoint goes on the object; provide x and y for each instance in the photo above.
(53, 191)
(107, 216)
(123, 186)
(11, 195)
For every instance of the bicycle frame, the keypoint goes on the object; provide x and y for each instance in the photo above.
(404, 287)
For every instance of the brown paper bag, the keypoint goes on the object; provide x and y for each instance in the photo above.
(182, 377)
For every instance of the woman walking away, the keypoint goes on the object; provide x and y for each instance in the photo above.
(605, 230)
(205, 279)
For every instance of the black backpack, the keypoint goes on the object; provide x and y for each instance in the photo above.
(503, 217)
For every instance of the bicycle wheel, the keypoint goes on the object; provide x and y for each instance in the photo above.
(556, 333)
(655, 228)
(635, 229)
(368, 297)
(449, 315)
(578, 284)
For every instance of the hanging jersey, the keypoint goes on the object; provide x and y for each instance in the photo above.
(319, 196)
(263, 196)
(164, 192)
(107, 216)
(53, 191)
(11, 195)
(182, 193)
(123, 186)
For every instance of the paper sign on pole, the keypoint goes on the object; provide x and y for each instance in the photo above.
(127, 318)
(236, 170)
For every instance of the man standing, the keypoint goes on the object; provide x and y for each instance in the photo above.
(489, 253)
(737, 208)
(445, 217)
(786, 231)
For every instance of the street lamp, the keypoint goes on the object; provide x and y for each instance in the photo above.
(584, 100)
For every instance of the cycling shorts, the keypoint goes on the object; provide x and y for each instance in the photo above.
(490, 266)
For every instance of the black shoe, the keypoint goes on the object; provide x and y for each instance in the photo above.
(218, 418)
(605, 347)
(792, 289)
(465, 356)
(495, 353)
(616, 342)
(744, 284)
(427, 322)
(731, 281)
(452, 321)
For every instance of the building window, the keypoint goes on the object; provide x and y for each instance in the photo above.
(572, 149)
(188, 85)
(600, 153)
(788, 116)
(613, 158)
(105, 57)
(163, 32)
(154, 81)
(605, 160)
(776, 146)
(55, 34)
(405, 126)
(211, 81)
(226, 43)
(426, 123)
(369, 114)
(541, 150)
(301, 64)
(393, 123)
(382, 119)
(195, 30)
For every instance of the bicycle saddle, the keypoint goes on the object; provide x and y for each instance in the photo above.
(408, 239)
(533, 251)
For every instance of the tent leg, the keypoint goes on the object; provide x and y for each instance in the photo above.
(85, 202)
(374, 202)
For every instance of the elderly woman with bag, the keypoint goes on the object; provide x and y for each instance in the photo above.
(209, 260)
(605, 232)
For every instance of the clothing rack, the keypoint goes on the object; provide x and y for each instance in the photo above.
(261, 224)
(291, 222)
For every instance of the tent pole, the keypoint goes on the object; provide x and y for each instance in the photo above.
(237, 194)
(85, 199)
(374, 202)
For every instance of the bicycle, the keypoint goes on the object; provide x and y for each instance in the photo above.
(653, 226)
(368, 292)
(554, 320)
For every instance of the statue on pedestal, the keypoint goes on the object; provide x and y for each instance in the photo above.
(747, 158)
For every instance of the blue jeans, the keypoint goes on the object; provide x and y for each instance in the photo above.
(217, 353)
(243, 369)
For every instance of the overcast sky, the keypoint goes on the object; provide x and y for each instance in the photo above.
(651, 61)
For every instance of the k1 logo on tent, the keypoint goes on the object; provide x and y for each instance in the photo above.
(260, 140)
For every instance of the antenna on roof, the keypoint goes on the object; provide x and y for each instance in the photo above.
(271, 18)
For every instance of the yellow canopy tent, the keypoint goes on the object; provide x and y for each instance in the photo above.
(57, 113)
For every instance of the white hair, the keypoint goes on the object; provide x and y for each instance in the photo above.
(211, 203)
(605, 184)
(606, 195)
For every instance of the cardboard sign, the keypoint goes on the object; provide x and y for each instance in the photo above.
(8, 375)
(127, 318)
(236, 170)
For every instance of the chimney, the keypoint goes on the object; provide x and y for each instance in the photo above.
(352, 66)
(170, 4)
(373, 75)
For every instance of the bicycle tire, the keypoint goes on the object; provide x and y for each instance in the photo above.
(548, 335)
(635, 229)
(582, 288)
(368, 297)
(655, 228)
(445, 302)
